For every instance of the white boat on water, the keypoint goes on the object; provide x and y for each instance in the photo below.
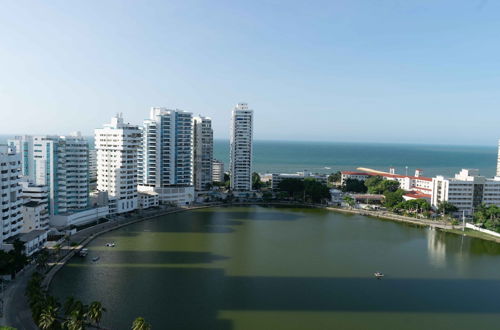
(378, 275)
(110, 244)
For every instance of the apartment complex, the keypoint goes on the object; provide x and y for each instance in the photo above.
(466, 191)
(117, 145)
(498, 160)
(241, 148)
(166, 158)
(61, 164)
(217, 171)
(10, 193)
(203, 149)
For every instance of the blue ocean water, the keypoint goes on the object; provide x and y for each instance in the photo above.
(328, 157)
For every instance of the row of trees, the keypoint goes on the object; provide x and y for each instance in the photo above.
(306, 190)
(49, 314)
(488, 216)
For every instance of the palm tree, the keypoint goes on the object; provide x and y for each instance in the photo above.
(140, 324)
(95, 312)
(349, 201)
(75, 321)
(48, 317)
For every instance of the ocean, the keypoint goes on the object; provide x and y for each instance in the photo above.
(328, 157)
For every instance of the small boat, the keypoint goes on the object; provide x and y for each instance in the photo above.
(378, 275)
(327, 168)
(83, 252)
(94, 259)
(110, 244)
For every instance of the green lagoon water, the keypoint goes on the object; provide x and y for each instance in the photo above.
(270, 268)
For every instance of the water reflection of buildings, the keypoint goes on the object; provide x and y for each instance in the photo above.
(436, 247)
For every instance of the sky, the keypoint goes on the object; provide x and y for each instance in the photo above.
(421, 71)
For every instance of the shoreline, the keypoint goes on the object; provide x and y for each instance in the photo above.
(107, 227)
(90, 233)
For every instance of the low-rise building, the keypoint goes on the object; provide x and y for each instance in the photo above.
(178, 195)
(353, 175)
(35, 216)
(148, 199)
(278, 177)
(467, 190)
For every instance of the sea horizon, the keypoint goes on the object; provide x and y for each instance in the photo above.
(324, 157)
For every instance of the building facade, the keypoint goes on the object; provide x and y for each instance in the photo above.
(276, 178)
(10, 193)
(117, 145)
(61, 163)
(498, 161)
(240, 166)
(217, 171)
(166, 157)
(467, 190)
(203, 148)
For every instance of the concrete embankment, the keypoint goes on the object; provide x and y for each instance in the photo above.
(395, 217)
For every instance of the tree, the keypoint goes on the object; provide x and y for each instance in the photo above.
(373, 183)
(393, 198)
(291, 186)
(316, 191)
(354, 185)
(415, 205)
(256, 183)
(379, 185)
(42, 259)
(446, 207)
(140, 324)
(95, 312)
(335, 177)
(349, 200)
(48, 318)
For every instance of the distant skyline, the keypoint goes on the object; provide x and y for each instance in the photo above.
(338, 71)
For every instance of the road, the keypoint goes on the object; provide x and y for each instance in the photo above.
(16, 309)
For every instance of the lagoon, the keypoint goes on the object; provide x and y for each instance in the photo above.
(287, 268)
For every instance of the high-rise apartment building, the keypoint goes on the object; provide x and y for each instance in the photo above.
(498, 161)
(11, 218)
(117, 145)
(166, 157)
(217, 171)
(203, 137)
(23, 145)
(241, 148)
(60, 163)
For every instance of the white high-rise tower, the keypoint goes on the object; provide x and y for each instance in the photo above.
(241, 148)
(203, 152)
(166, 157)
(117, 146)
(62, 164)
(498, 162)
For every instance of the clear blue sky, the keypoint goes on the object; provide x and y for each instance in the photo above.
(384, 71)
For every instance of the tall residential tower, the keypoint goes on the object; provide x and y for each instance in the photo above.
(166, 157)
(117, 146)
(241, 148)
(203, 152)
(62, 164)
(498, 162)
